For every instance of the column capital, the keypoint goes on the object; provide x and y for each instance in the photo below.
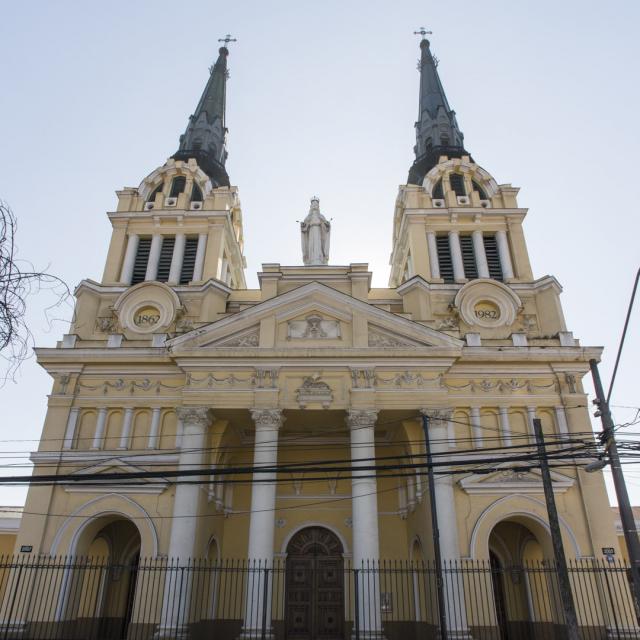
(437, 415)
(199, 416)
(361, 417)
(267, 417)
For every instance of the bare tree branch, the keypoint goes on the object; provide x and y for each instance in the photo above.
(18, 280)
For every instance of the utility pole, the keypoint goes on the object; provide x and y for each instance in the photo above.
(624, 506)
(556, 537)
(442, 610)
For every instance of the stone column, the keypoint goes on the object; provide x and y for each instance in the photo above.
(434, 263)
(505, 426)
(184, 524)
(531, 414)
(456, 256)
(447, 525)
(125, 434)
(101, 423)
(154, 257)
(200, 253)
(177, 258)
(480, 253)
(364, 509)
(129, 259)
(476, 426)
(154, 430)
(505, 255)
(561, 420)
(262, 521)
(70, 431)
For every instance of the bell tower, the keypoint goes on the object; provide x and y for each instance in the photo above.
(455, 225)
(180, 228)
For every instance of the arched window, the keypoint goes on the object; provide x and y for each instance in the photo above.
(155, 192)
(444, 140)
(481, 192)
(456, 181)
(437, 190)
(196, 193)
(177, 186)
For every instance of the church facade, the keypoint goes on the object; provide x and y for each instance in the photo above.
(194, 418)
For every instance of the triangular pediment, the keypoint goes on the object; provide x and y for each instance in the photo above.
(114, 465)
(513, 481)
(314, 316)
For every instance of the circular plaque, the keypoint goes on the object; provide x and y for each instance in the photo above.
(146, 317)
(486, 311)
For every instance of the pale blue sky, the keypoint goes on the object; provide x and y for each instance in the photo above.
(321, 100)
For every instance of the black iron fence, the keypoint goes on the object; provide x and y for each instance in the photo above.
(304, 598)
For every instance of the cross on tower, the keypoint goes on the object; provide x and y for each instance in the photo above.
(423, 32)
(227, 39)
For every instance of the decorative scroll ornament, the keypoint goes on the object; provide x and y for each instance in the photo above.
(383, 340)
(361, 417)
(450, 323)
(107, 324)
(404, 378)
(210, 380)
(199, 416)
(313, 327)
(504, 386)
(267, 417)
(121, 385)
(251, 339)
(314, 390)
(570, 380)
(437, 415)
(363, 378)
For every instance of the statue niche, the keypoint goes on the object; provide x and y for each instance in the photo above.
(315, 230)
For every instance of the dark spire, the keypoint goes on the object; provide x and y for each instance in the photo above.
(437, 131)
(205, 137)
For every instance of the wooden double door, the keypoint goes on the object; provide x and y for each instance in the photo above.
(314, 586)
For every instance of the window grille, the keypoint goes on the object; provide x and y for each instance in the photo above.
(437, 190)
(493, 257)
(189, 260)
(177, 186)
(457, 184)
(444, 258)
(468, 257)
(141, 261)
(164, 262)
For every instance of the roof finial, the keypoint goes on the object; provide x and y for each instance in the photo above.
(423, 32)
(227, 39)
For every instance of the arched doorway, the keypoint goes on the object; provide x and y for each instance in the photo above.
(522, 587)
(101, 590)
(314, 586)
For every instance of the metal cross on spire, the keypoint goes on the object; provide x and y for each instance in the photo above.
(227, 39)
(423, 32)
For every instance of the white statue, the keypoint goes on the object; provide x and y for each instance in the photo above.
(315, 230)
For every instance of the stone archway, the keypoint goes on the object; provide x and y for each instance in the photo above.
(99, 587)
(523, 588)
(314, 586)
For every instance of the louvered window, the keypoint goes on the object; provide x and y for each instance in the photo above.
(196, 193)
(164, 262)
(177, 186)
(437, 190)
(468, 257)
(457, 184)
(493, 257)
(189, 260)
(481, 192)
(444, 258)
(141, 261)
